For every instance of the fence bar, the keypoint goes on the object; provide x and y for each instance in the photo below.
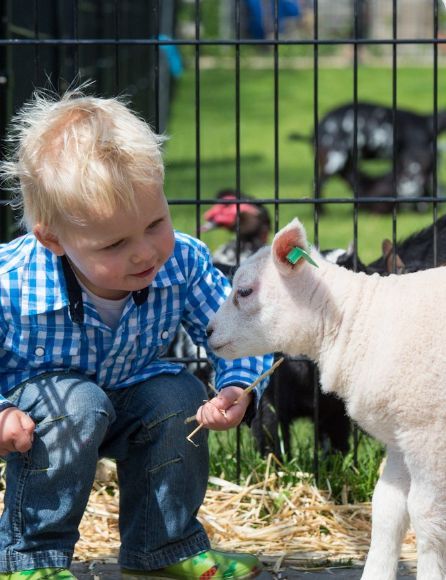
(117, 13)
(197, 120)
(434, 184)
(237, 178)
(276, 116)
(316, 195)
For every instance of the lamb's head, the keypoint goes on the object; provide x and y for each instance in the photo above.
(268, 310)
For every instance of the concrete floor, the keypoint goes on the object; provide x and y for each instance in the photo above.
(99, 571)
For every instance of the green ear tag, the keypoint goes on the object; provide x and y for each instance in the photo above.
(296, 253)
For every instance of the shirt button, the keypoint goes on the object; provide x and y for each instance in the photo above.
(40, 351)
(165, 334)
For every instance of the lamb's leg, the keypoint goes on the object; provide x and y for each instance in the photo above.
(389, 519)
(427, 508)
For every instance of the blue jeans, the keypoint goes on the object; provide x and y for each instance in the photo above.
(162, 477)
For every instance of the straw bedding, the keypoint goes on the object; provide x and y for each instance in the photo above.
(295, 525)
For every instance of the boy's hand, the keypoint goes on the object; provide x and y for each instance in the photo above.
(211, 416)
(16, 431)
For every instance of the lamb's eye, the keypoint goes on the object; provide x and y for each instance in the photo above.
(244, 292)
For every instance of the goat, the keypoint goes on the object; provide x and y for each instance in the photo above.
(413, 150)
(379, 343)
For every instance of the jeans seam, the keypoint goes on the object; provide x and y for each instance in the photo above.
(17, 519)
(147, 509)
(148, 428)
(165, 464)
(159, 420)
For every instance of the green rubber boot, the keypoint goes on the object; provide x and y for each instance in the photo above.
(39, 574)
(210, 565)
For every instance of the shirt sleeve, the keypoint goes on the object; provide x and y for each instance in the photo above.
(208, 288)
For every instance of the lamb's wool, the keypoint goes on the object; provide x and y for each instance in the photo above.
(379, 343)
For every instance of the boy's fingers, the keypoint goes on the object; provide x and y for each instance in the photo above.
(23, 441)
(208, 413)
(27, 423)
(222, 401)
(216, 418)
(24, 432)
(27, 434)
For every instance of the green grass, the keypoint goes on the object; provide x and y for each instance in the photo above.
(217, 144)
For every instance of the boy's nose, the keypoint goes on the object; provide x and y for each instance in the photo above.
(142, 253)
(136, 259)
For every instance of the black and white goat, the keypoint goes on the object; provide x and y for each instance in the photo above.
(413, 150)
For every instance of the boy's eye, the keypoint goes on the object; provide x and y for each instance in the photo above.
(155, 223)
(114, 245)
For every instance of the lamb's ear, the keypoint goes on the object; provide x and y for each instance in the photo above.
(287, 239)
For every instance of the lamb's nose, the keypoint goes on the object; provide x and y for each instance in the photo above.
(209, 331)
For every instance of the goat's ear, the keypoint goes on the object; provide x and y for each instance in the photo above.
(400, 267)
(387, 248)
(291, 236)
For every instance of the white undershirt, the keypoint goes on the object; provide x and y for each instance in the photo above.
(109, 310)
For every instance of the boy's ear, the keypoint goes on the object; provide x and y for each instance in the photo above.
(291, 236)
(48, 239)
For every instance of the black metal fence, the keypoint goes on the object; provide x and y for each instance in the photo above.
(129, 46)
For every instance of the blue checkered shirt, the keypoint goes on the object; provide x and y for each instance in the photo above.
(45, 326)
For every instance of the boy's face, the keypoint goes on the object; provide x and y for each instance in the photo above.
(121, 253)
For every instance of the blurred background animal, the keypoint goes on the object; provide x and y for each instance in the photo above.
(251, 220)
(419, 251)
(412, 143)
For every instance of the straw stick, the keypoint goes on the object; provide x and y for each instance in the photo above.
(213, 389)
(189, 437)
(258, 379)
(245, 392)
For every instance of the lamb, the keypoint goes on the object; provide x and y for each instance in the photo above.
(379, 342)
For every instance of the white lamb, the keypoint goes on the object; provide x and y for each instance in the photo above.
(380, 343)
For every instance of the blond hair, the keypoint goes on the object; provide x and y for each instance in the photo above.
(78, 156)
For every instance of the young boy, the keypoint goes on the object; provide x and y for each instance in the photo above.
(90, 301)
